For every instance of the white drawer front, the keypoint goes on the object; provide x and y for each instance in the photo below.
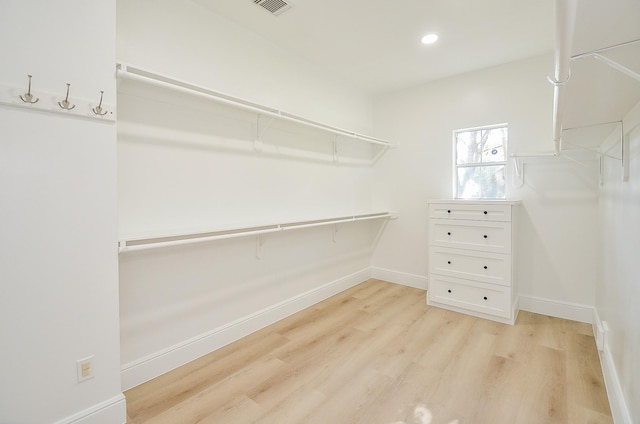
(475, 235)
(480, 266)
(491, 212)
(480, 297)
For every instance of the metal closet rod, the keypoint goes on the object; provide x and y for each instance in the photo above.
(139, 74)
(189, 238)
(604, 49)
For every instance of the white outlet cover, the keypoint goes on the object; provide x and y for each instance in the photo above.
(88, 372)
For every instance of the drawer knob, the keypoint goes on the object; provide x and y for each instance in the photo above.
(485, 236)
(448, 210)
(485, 212)
(449, 233)
(485, 267)
(485, 298)
(449, 291)
(449, 262)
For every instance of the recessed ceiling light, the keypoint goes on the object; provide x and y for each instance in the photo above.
(429, 38)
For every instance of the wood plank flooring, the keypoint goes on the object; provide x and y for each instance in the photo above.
(377, 353)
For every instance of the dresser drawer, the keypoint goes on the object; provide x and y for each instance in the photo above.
(480, 297)
(474, 212)
(475, 235)
(470, 264)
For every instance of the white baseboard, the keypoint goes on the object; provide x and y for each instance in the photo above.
(619, 410)
(160, 362)
(398, 277)
(557, 308)
(112, 411)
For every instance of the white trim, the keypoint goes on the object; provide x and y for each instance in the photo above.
(112, 410)
(162, 361)
(619, 410)
(557, 308)
(399, 277)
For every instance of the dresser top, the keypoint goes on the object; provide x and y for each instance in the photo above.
(475, 202)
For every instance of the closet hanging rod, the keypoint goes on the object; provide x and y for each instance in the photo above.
(532, 155)
(138, 74)
(551, 154)
(130, 245)
(604, 49)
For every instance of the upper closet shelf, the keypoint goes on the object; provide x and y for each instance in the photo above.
(566, 24)
(139, 74)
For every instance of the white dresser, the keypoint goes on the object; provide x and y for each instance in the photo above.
(472, 258)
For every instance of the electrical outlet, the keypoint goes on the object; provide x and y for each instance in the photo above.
(85, 368)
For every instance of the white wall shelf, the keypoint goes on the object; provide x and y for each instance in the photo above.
(131, 244)
(566, 12)
(579, 156)
(138, 74)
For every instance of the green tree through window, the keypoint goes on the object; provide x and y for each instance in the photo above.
(480, 159)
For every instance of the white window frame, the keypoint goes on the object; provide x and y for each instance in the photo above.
(471, 165)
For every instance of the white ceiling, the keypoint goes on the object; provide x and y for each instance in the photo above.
(375, 45)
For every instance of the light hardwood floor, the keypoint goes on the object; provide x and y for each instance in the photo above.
(377, 353)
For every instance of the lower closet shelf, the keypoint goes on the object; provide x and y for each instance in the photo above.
(167, 240)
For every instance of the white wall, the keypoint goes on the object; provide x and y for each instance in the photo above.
(57, 181)
(557, 245)
(59, 300)
(618, 288)
(186, 163)
(187, 41)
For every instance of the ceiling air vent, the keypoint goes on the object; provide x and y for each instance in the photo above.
(274, 6)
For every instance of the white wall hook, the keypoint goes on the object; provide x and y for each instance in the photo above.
(98, 110)
(28, 97)
(65, 104)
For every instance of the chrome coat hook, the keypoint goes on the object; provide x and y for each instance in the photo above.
(65, 103)
(28, 97)
(98, 109)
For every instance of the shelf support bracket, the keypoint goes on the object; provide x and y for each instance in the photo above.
(601, 170)
(259, 244)
(625, 154)
(518, 167)
(261, 127)
(615, 65)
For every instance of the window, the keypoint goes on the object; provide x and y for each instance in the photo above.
(480, 162)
